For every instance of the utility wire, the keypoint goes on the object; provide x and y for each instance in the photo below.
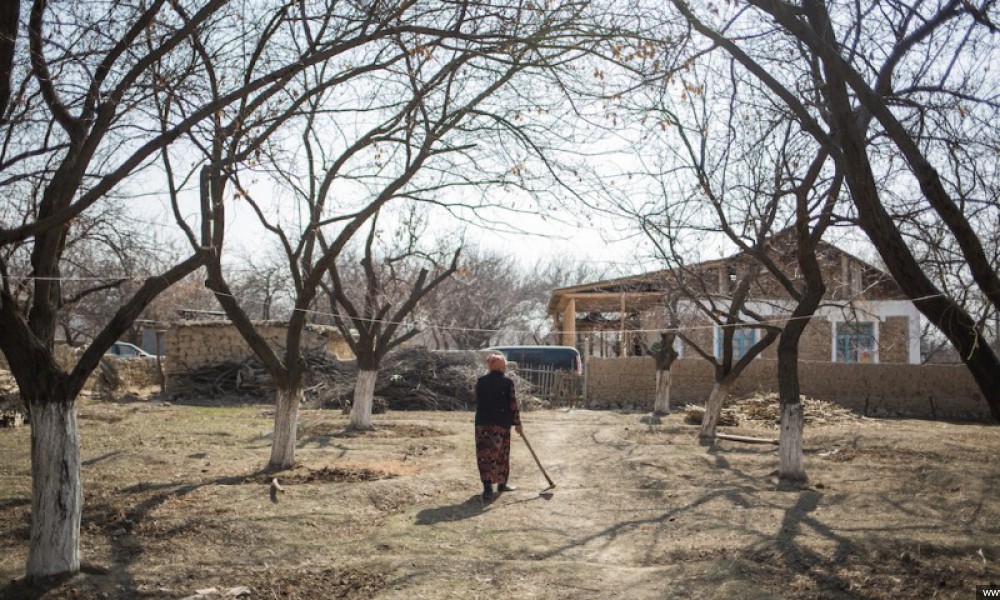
(775, 320)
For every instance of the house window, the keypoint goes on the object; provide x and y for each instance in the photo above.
(743, 339)
(856, 342)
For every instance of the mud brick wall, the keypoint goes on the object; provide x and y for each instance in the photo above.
(881, 390)
(195, 344)
(627, 382)
(135, 373)
(893, 340)
(138, 372)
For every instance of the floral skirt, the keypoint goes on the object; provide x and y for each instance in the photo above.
(493, 452)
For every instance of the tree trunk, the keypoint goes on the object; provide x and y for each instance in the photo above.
(286, 422)
(57, 497)
(713, 409)
(361, 410)
(662, 404)
(791, 465)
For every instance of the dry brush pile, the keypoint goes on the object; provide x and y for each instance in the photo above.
(763, 411)
(409, 379)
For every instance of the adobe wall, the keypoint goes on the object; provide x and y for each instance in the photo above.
(195, 344)
(134, 373)
(921, 391)
(893, 340)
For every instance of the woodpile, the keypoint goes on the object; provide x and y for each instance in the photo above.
(409, 379)
(696, 414)
(764, 411)
(11, 418)
(325, 376)
(12, 413)
(420, 379)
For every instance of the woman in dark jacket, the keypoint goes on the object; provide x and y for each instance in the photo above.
(496, 412)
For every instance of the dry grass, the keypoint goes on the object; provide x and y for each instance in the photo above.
(176, 501)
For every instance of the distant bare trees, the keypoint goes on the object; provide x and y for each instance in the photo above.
(489, 293)
(499, 297)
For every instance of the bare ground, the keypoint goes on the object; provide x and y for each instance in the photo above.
(176, 503)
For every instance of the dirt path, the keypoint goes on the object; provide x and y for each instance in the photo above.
(175, 503)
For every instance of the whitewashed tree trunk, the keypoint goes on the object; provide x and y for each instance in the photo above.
(713, 409)
(662, 404)
(791, 466)
(286, 423)
(57, 497)
(361, 410)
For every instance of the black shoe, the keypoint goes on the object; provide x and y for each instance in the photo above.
(487, 497)
(503, 487)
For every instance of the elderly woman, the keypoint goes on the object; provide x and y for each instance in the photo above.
(496, 412)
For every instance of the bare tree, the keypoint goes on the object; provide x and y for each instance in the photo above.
(885, 85)
(664, 353)
(755, 153)
(726, 302)
(374, 310)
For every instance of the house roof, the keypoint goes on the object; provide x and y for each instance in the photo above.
(643, 291)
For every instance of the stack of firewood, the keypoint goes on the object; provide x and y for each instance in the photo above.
(324, 376)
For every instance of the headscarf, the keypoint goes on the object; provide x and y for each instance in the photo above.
(496, 362)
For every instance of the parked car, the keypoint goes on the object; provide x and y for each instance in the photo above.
(559, 358)
(127, 350)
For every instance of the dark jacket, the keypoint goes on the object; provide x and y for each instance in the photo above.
(496, 403)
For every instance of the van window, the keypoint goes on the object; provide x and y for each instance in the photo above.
(563, 358)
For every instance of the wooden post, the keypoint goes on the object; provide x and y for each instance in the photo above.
(621, 334)
(569, 324)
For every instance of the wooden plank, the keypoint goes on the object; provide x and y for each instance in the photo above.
(745, 439)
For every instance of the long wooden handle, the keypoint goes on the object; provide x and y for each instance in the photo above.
(537, 462)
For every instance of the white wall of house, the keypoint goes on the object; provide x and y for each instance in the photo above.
(864, 311)
(876, 311)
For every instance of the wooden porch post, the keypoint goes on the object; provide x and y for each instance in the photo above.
(623, 347)
(569, 324)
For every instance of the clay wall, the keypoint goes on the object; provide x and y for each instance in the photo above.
(888, 390)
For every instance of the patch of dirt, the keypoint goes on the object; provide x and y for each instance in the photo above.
(176, 500)
(341, 474)
(339, 429)
(310, 584)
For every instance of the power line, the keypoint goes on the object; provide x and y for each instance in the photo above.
(773, 321)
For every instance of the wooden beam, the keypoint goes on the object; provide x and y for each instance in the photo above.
(746, 439)
(569, 324)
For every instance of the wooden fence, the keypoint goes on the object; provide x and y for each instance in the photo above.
(559, 388)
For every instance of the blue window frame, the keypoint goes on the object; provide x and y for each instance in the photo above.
(743, 339)
(856, 342)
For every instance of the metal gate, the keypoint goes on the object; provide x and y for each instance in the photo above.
(559, 388)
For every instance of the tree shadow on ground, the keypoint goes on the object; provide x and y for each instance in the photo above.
(118, 525)
(786, 549)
